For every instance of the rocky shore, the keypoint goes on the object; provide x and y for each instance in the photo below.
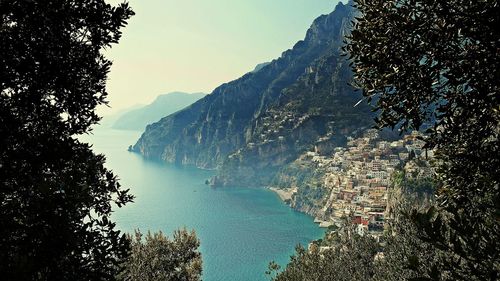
(285, 194)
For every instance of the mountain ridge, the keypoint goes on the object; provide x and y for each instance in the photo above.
(205, 133)
(163, 105)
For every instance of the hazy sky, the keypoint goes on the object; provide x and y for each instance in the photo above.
(196, 45)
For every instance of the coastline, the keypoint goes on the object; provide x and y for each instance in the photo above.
(284, 194)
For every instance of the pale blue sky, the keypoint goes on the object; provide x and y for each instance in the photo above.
(196, 45)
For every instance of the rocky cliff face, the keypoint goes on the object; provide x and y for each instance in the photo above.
(316, 113)
(233, 117)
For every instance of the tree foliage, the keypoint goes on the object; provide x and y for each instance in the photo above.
(341, 256)
(56, 196)
(156, 257)
(436, 63)
(405, 256)
(433, 65)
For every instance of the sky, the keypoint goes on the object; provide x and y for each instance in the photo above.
(197, 45)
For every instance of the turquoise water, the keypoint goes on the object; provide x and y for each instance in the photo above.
(241, 229)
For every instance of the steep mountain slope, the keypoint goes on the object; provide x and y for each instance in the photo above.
(223, 122)
(162, 106)
(317, 113)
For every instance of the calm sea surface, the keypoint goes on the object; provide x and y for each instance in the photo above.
(241, 229)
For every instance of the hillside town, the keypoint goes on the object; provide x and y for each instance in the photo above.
(358, 176)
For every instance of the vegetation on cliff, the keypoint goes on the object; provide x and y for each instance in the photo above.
(317, 111)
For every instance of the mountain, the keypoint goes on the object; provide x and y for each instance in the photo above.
(260, 66)
(250, 129)
(316, 113)
(163, 105)
(108, 121)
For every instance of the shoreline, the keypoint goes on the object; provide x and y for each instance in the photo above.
(285, 195)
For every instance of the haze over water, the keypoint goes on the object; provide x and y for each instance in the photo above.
(241, 229)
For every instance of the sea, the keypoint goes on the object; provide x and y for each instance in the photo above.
(241, 229)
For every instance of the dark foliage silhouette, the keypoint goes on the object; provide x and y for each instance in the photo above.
(435, 64)
(56, 196)
(430, 65)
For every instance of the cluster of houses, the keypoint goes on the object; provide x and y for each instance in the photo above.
(358, 177)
